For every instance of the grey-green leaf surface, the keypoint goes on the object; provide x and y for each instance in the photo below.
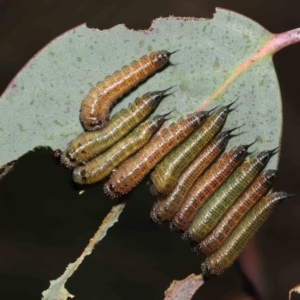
(41, 105)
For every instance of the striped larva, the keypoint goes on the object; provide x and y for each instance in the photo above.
(134, 169)
(165, 208)
(206, 185)
(89, 144)
(102, 165)
(95, 108)
(255, 191)
(223, 258)
(219, 203)
(166, 173)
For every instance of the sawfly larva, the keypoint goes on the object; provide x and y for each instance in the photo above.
(95, 108)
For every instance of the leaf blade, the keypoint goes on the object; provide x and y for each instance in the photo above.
(41, 106)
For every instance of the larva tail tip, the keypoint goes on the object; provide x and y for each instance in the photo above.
(249, 145)
(270, 173)
(289, 195)
(233, 129)
(264, 156)
(164, 91)
(165, 115)
(230, 104)
(280, 196)
(170, 53)
(160, 119)
(212, 110)
(273, 151)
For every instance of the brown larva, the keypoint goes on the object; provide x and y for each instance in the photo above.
(220, 260)
(133, 170)
(102, 165)
(206, 185)
(220, 202)
(166, 173)
(165, 208)
(96, 106)
(256, 190)
(89, 144)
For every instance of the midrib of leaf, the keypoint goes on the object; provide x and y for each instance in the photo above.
(234, 75)
(270, 47)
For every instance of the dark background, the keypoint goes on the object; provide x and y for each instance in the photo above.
(44, 224)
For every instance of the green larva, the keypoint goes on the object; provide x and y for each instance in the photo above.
(223, 258)
(102, 165)
(90, 144)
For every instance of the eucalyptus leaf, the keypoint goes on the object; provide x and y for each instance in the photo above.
(41, 105)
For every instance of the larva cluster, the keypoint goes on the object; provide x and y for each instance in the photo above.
(90, 144)
(132, 171)
(166, 173)
(221, 209)
(165, 208)
(221, 259)
(217, 237)
(100, 167)
(206, 185)
(217, 202)
(95, 154)
(217, 205)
